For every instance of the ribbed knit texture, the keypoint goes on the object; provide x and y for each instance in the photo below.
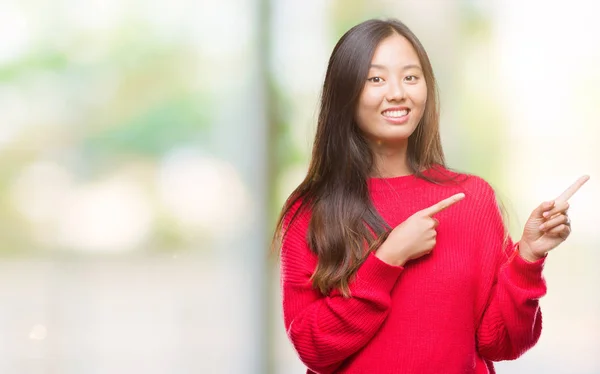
(471, 301)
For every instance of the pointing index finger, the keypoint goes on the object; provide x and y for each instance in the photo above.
(573, 188)
(444, 204)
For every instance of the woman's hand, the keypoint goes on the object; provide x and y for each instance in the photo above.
(548, 226)
(414, 237)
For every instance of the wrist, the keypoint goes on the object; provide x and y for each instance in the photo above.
(389, 257)
(528, 254)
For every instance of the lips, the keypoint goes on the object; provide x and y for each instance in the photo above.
(395, 113)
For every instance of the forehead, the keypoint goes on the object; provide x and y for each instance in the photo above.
(395, 50)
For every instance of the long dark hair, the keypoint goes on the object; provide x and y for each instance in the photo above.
(344, 222)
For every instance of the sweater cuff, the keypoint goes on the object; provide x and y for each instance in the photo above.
(378, 274)
(525, 274)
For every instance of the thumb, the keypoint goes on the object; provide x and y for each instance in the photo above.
(539, 211)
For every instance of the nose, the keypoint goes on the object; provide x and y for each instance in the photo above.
(396, 91)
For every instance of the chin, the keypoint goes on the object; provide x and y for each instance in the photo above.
(398, 136)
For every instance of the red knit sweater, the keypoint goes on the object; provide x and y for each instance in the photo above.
(471, 301)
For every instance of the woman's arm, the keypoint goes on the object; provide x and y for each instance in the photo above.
(512, 321)
(325, 330)
(510, 287)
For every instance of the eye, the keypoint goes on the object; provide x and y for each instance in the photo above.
(411, 78)
(375, 79)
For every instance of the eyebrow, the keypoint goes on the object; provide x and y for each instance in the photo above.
(405, 67)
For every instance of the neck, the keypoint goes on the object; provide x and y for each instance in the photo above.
(390, 160)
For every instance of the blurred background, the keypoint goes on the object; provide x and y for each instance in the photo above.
(146, 148)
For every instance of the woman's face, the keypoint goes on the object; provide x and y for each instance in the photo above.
(393, 99)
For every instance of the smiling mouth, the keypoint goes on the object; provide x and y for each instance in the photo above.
(395, 113)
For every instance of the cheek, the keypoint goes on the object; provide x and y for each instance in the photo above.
(368, 106)
(418, 97)
(370, 100)
(421, 96)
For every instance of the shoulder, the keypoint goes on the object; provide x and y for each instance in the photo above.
(295, 221)
(479, 188)
(295, 250)
(470, 182)
(478, 191)
(482, 197)
(297, 213)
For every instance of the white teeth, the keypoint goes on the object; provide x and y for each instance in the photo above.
(395, 113)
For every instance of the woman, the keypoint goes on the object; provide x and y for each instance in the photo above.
(391, 263)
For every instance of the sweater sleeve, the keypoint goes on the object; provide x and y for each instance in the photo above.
(326, 330)
(512, 320)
